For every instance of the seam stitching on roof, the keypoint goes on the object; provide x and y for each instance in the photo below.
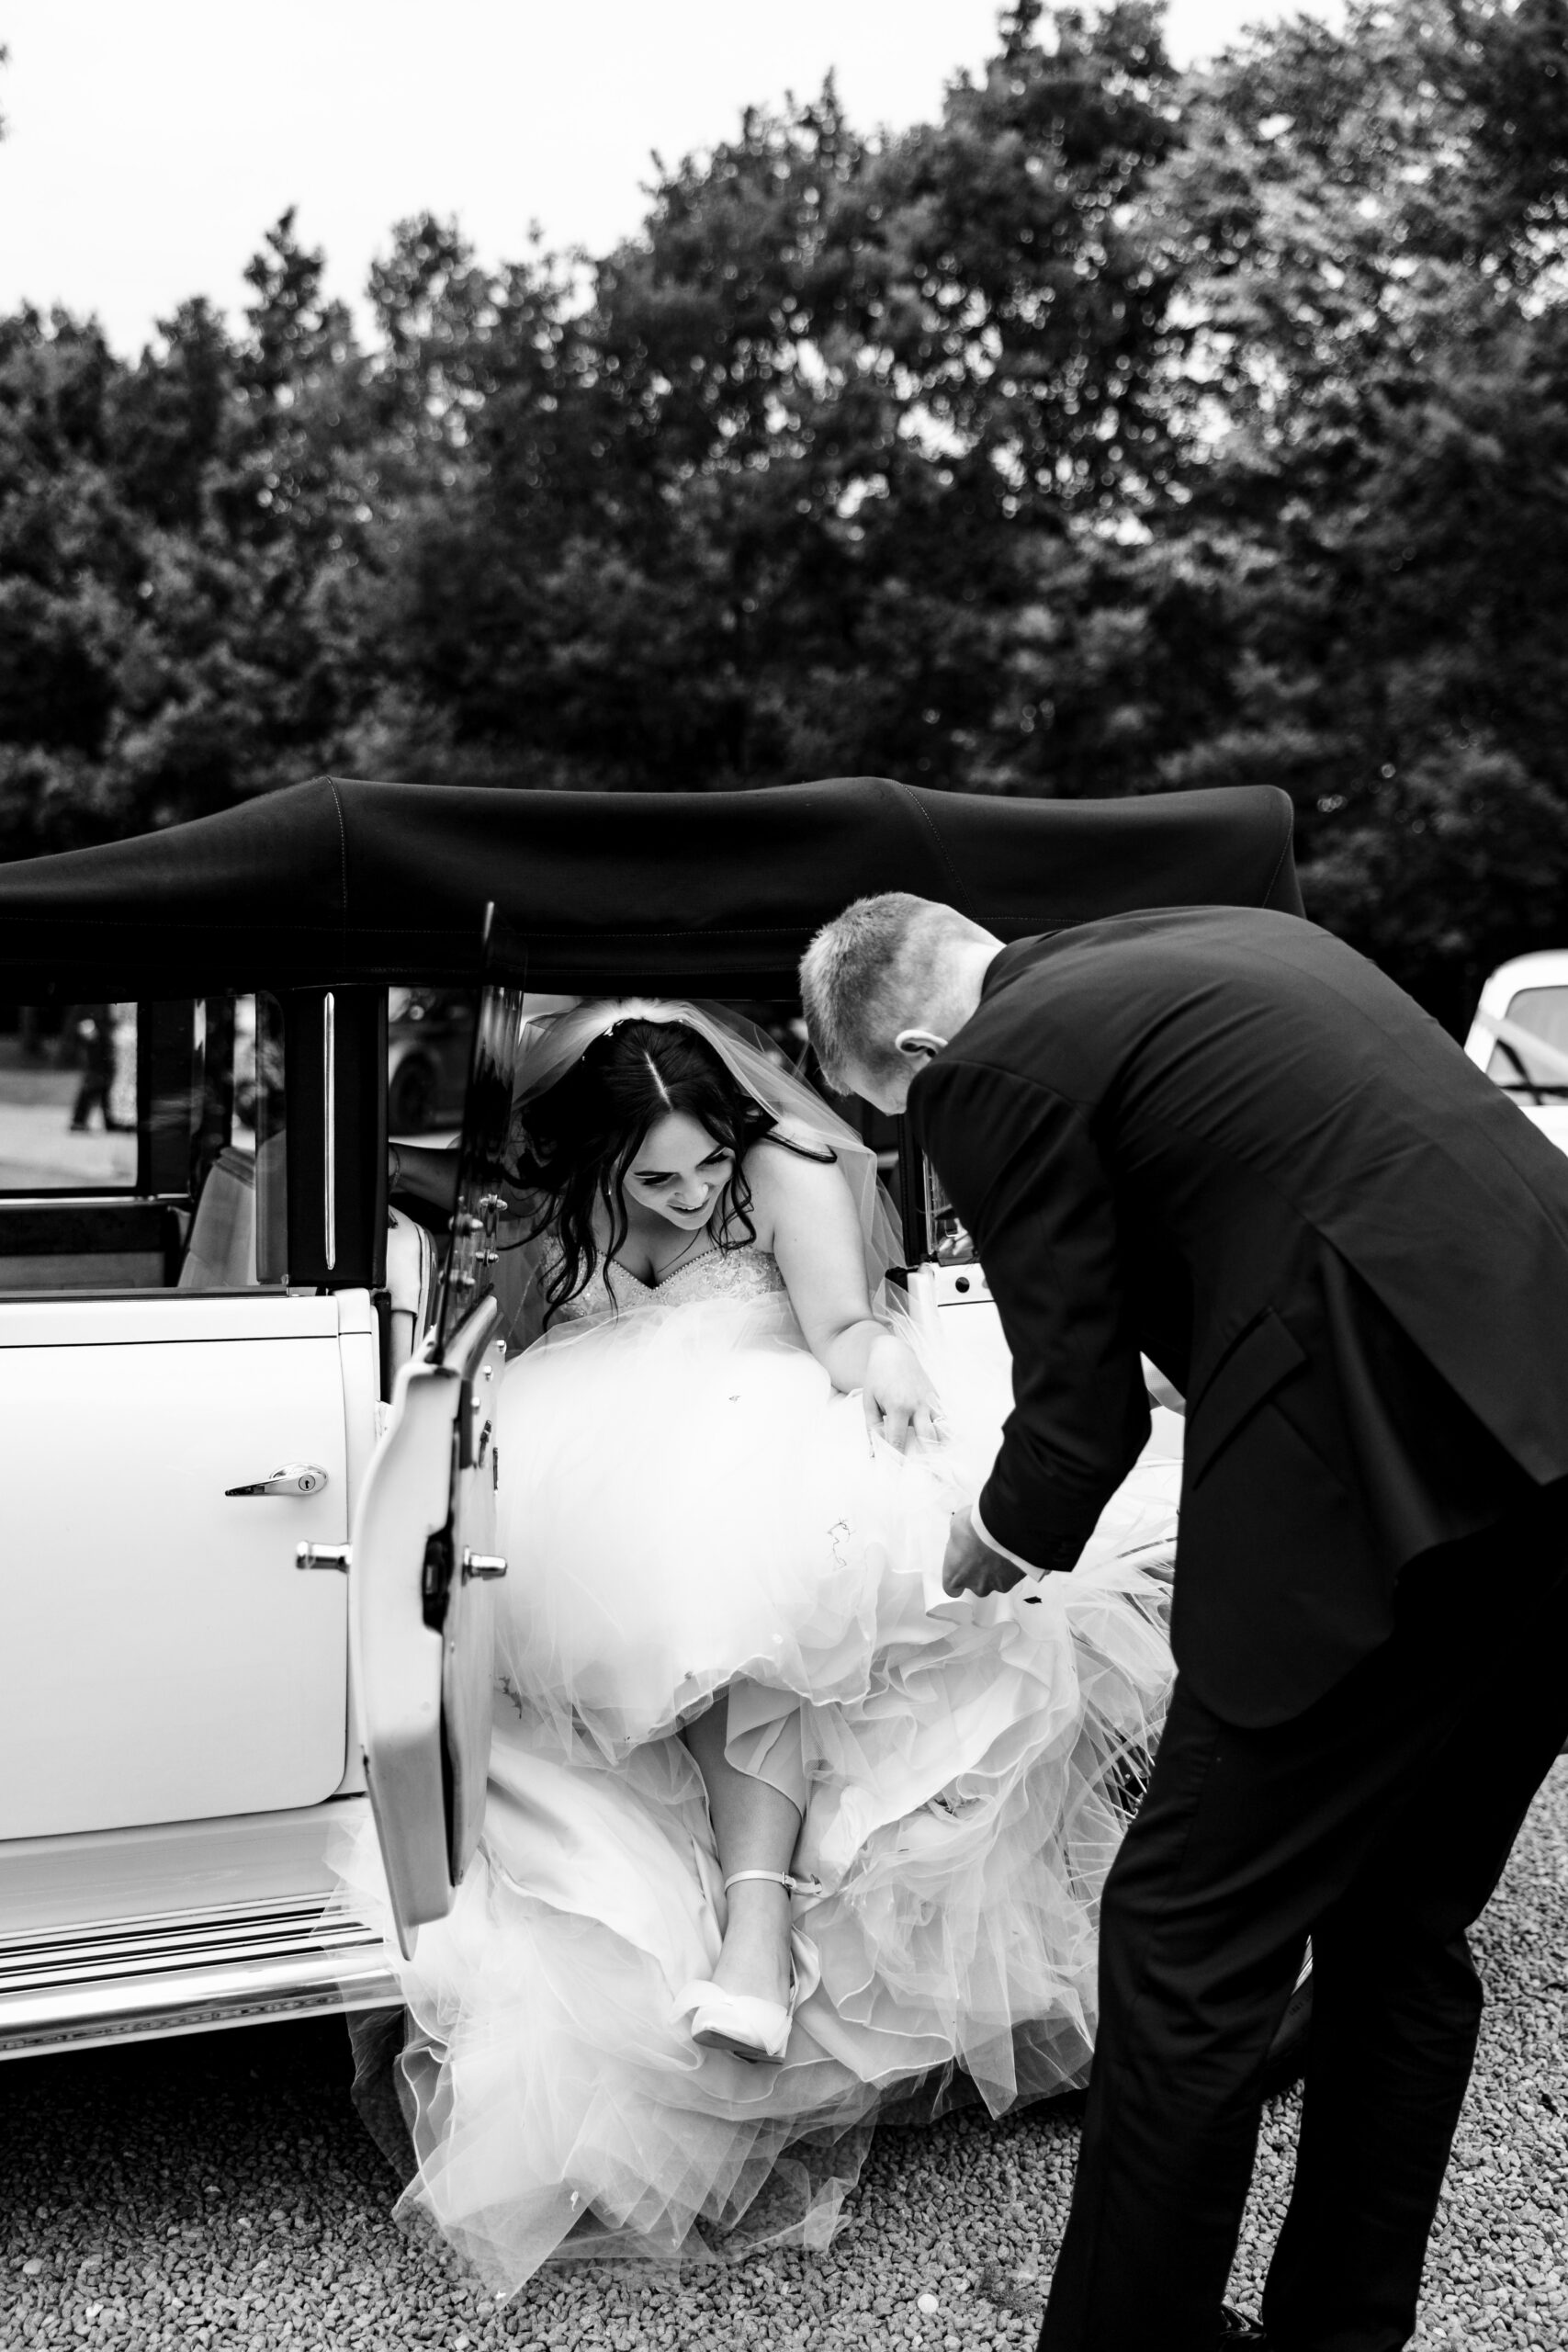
(930, 823)
(342, 848)
(1278, 868)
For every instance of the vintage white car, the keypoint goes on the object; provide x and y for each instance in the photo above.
(1520, 1037)
(246, 1476)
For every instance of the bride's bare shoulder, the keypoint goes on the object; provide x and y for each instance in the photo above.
(790, 1165)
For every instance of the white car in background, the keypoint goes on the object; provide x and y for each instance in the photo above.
(1519, 1037)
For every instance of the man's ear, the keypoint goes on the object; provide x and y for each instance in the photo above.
(917, 1046)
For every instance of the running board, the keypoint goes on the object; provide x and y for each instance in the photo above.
(187, 1972)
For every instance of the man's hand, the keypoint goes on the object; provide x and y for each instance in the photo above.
(971, 1565)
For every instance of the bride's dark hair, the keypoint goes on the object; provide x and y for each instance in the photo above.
(581, 1135)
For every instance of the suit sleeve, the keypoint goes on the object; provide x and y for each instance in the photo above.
(1025, 1174)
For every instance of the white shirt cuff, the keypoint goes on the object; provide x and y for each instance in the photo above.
(1029, 1567)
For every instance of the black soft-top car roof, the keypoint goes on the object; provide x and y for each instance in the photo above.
(334, 881)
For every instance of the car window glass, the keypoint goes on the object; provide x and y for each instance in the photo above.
(141, 1145)
(429, 1042)
(1544, 1013)
(68, 1098)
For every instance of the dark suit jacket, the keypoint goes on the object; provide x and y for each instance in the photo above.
(1221, 1137)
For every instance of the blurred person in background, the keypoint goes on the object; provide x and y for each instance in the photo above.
(89, 1031)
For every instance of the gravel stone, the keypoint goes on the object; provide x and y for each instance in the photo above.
(219, 2193)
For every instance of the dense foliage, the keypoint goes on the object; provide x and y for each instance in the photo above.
(1120, 431)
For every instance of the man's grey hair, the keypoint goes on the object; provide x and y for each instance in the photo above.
(866, 974)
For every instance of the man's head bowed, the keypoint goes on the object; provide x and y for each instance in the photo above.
(885, 985)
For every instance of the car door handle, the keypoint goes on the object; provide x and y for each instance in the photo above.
(483, 1565)
(294, 1478)
(324, 1555)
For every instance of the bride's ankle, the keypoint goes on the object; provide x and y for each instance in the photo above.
(758, 1899)
(754, 1955)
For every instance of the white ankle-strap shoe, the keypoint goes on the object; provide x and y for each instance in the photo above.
(756, 2030)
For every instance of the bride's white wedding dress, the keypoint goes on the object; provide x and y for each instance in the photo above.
(686, 1504)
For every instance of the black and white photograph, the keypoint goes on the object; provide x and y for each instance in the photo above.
(784, 1176)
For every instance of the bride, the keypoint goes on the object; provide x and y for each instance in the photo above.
(777, 1834)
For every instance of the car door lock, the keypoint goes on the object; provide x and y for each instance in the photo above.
(294, 1478)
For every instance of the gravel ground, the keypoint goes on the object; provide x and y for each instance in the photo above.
(220, 2192)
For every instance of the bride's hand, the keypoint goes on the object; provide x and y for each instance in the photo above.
(898, 1397)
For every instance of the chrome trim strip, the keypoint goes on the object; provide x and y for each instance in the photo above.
(194, 2000)
(158, 1974)
(329, 1085)
(111, 1196)
(81, 1963)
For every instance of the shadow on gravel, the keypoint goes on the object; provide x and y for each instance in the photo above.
(167, 2101)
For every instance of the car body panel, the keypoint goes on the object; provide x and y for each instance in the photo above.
(146, 1423)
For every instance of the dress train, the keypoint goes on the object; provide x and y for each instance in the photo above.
(688, 1507)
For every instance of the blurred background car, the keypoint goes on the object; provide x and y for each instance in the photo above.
(429, 1032)
(1520, 1037)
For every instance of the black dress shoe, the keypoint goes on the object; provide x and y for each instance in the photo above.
(1238, 2333)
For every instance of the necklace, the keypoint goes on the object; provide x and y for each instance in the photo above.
(662, 1273)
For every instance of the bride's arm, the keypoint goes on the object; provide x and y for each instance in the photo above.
(807, 1209)
(423, 1173)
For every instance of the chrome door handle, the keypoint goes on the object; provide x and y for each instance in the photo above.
(484, 1565)
(294, 1478)
(323, 1556)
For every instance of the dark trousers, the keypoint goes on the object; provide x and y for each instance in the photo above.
(92, 1094)
(1377, 1823)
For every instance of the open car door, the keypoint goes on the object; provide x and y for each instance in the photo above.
(423, 1560)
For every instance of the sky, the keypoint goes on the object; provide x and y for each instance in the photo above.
(149, 144)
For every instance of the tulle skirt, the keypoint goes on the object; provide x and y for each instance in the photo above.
(687, 1508)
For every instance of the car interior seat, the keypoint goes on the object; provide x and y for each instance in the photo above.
(410, 1287)
(221, 1252)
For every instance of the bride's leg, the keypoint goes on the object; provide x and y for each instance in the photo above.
(755, 1826)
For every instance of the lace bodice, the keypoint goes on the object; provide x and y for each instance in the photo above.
(749, 1272)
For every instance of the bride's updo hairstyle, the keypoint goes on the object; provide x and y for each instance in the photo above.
(582, 1135)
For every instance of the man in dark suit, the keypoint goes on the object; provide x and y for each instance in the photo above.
(1221, 1138)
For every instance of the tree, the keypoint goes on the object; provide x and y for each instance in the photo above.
(170, 536)
(1115, 431)
(1376, 381)
(764, 503)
